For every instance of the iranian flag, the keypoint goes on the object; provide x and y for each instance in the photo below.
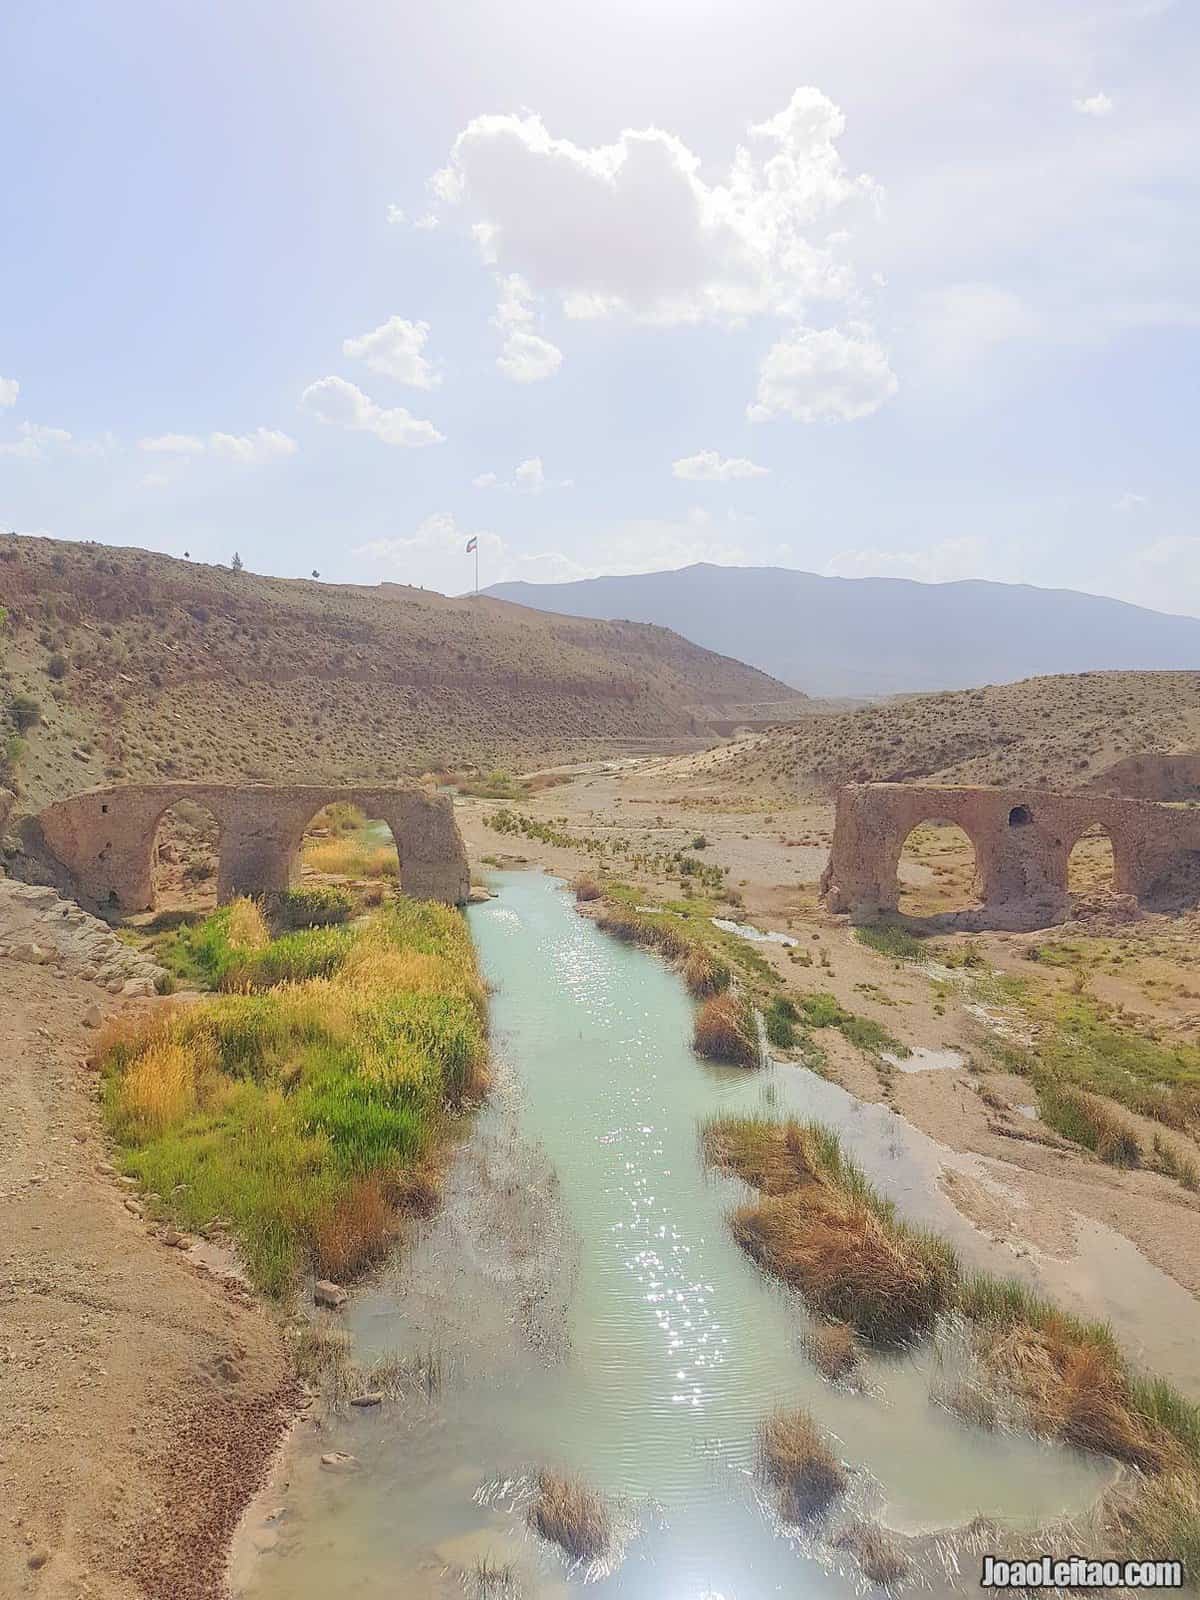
(472, 544)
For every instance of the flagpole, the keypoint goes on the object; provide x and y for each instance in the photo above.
(477, 567)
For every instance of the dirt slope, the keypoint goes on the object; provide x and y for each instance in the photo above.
(147, 666)
(141, 1397)
(1057, 732)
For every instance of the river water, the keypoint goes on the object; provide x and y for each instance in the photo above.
(589, 1310)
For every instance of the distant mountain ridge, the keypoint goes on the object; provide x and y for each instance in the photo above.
(858, 636)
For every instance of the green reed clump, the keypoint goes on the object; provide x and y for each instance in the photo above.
(275, 1109)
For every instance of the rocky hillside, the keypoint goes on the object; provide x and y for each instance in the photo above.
(1056, 732)
(118, 663)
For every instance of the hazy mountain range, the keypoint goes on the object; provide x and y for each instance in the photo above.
(847, 636)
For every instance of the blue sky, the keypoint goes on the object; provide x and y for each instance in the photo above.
(874, 288)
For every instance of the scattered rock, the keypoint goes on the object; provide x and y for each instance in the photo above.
(38, 925)
(374, 1398)
(38, 1560)
(93, 1016)
(338, 1461)
(329, 1294)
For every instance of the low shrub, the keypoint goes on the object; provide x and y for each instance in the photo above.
(823, 1010)
(1088, 1121)
(891, 940)
(311, 905)
(780, 1021)
(24, 712)
(726, 1030)
(586, 889)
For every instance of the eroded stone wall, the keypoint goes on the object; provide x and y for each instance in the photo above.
(105, 838)
(1022, 838)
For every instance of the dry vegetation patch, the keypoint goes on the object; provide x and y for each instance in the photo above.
(820, 1227)
(571, 1515)
(794, 1459)
(727, 1030)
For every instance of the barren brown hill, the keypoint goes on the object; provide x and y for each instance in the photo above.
(1053, 732)
(121, 663)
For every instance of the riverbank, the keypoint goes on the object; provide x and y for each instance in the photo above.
(143, 1394)
(1035, 1190)
(592, 1316)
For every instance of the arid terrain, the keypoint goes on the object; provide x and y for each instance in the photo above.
(142, 1392)
(974, 995)
(1058, 1071)
(1046, 733)
(124, 664)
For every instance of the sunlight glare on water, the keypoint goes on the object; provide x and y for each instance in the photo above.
(587, 1299)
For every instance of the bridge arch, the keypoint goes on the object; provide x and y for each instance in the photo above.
(950, 877)
(1023, 840)
(104, 839)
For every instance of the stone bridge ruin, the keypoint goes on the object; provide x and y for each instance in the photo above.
(105, 838)
(1022, 838)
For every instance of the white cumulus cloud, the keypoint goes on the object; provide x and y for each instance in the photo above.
(344, 405)
(710, 466)
(529, 477)
(634, 226)
(9, 390)
(36, 442)
(264, 444)
(173, 444)
(824, 375)
(526, 357)
(396, 349)
(1095, 105)
(250, 449)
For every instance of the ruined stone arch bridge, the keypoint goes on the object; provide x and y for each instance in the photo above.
(105, 838)
(1022, 839)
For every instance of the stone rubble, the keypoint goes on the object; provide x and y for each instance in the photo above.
(38, 926)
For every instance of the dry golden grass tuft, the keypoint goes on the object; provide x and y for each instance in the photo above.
(586, 890)
(351, 858)
(1078, 1391)
(833, 1350)
(705, 973)
(795, 1461)
(847, 1262)
(247, 928)
(355, 1232)
(774, 1157)
(880, 1557)
(726, 1030)
(571, 1515)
